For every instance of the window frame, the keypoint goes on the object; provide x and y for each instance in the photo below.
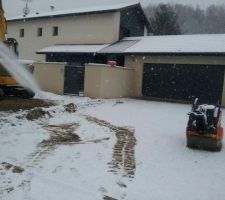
(21, 32)
(55, 31)
(39, 31)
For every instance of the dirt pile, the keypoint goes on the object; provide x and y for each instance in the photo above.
(61, 134)
(61, 139)
(71, 108)
(37, 113)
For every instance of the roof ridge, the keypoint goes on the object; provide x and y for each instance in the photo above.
(82, 10)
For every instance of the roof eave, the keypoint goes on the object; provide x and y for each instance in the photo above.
(61, 15)
(176, 53)
(52, 52)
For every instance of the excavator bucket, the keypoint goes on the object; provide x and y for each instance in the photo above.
(204, 130)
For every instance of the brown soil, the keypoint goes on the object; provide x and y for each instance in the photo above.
(124, 151)
(61, 134)
(36, 114)
(16, 104)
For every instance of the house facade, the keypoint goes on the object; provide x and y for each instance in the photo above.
(177, 68)
(92, 26)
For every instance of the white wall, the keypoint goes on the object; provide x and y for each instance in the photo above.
(84, 29)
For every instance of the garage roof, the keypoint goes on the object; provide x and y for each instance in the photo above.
(171, 44)
(72, 49)
(174, 44)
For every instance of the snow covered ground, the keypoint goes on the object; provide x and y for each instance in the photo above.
(128, 149)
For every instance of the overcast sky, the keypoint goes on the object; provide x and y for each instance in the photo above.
(14, 7)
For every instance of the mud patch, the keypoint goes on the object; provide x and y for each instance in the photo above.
(124, 149)
(108, 198)
(61, 134)
(36, 114)
(61, 139)
(16, 104)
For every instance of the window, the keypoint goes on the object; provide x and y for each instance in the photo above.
(55, 30)
(39, 32)
(22, 32)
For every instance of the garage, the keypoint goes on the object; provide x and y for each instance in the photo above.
(183, 81)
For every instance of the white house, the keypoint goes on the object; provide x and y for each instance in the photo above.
(90, 26)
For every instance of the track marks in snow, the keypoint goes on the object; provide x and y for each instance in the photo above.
(59, 134)
(8, 173)
(124, 150)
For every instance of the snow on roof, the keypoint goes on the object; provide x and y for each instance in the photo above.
(173, 44)
(72, 49)
(205, 43)
(93, 9)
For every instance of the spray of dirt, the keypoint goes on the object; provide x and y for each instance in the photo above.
(20, 73)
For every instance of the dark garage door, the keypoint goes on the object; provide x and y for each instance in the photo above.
(183, 82)
(74, 79)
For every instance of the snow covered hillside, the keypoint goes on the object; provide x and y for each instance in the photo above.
(106, 149)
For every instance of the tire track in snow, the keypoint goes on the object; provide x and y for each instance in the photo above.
(124, 150)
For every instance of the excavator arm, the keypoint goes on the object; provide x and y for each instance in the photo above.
(2, 23)
(10, 42)
(8, 84)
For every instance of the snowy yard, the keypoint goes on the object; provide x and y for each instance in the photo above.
(127, 149)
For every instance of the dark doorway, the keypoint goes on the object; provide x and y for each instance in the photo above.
(74, 79)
